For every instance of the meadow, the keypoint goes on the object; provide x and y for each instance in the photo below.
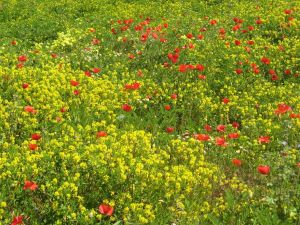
(150, 112)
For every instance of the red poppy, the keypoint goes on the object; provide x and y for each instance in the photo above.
(76, 92)
(250, 28)
(263, 169)
(237, 42)
(183, 68)
(202, 137)
(265, 60)
(29, 109)
(282, 109)
(13, 42)
(87, 73)
(189, 35)
(207, 127)
(222, 31)
(95, 41)
(17, 220)
(170, 129)
(236, 162)
(233, 135)
(200, 67)
(259, 21)
(33, 147)
(250, 42)
(287, 11)
(201, 76)
(238, 71)
(22, 58)
(200, 37)
(126, 107)
(74, 83)
(92, 30)
(264, 139)
(235, 124)
(221, 141)
(131, 56)
(225, 100)
(53, 56)
(106, 209)
(167, 107)
(221, 128)
(36, 136)
(30, 185)
(173, 96)
(25, 85)
(294, 115)
(213, 22)
(101, 134)
(298, 164)
(96, 70)
(173, 57)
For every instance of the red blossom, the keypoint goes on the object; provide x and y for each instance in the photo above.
(30, 185)
(265, 170)
(236, 162)
(106, 209)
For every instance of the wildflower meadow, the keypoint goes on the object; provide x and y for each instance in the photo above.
(162, 112)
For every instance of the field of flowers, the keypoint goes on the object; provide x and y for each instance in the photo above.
(150, 112)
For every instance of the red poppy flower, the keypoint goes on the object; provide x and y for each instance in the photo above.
(238, 71)
(298, 164)
(131, 56)
(87, 73)
(167, 107)
(202, 137)
(250, 42)
(29, 109)
(33, 147)
(189, 35)
(96, 70)
(207, 127)
(95, 41)
(106, 209)
(233, 135)
(170, 129)
(259, 21)
(213, 22)
(282, 109)
(13, 42)
(201, 76)
(53, 56)
(220, 141)
(22, 58)
(36, 136)
(173, 57)
(225, 100)
(17, 220)
(25, 85)
(173, 96)
(287, 11)
(126, 107)
(264, 139)
(200, 67)
(265, 60)
(30, 185)
(183, 68)
(263, 169)
(250, 28)
(200, 37)
(76, 92)
(74, 83)
(221, 128)
(222, 31)
(236, 162)
(101, 134)
(235, 124)
(237, 42)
